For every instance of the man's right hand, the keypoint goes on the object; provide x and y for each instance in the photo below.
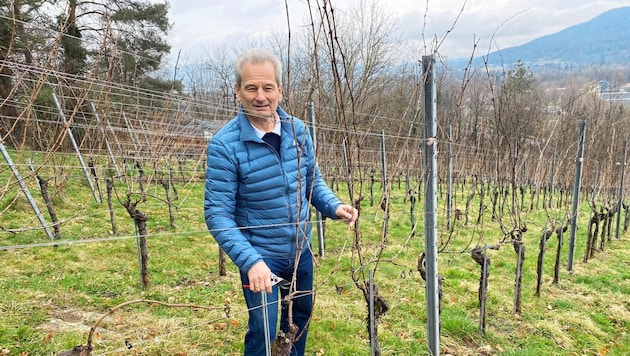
(259, 278)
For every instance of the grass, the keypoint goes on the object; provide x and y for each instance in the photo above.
(51, 296)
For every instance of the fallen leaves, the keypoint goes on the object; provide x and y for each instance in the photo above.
(48, 337)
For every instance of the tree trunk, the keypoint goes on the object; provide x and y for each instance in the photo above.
(541, 259)
(43, 186)
(519, 248)
(140, 220)
(479, 254)
(556, 269)
(109, 184)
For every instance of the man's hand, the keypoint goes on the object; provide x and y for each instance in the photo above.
(347, 213)
(259, 278)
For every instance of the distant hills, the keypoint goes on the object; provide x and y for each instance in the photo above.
(604, 40)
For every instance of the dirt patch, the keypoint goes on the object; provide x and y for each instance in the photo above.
(70, 320)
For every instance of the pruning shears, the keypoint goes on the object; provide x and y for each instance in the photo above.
(275, 280)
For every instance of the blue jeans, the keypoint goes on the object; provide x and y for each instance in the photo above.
(302, 305)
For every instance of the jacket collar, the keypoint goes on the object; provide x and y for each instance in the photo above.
(248, 133)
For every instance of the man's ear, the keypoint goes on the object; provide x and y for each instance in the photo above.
(236, 91)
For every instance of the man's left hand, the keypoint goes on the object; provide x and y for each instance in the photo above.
(347, 213)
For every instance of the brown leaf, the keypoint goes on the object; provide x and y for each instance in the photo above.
(48, 337)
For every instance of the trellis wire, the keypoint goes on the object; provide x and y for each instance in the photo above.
(344, 149)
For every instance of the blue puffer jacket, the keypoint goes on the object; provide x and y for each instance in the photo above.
(256, 201)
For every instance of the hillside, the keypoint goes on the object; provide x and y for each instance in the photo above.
(604, 40)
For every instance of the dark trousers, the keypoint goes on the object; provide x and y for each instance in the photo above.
(302, 305)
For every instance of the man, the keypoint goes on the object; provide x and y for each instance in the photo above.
(261, 178)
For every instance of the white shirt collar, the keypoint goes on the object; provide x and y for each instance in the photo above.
(275, 130)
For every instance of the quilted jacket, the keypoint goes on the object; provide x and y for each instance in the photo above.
(257, 201)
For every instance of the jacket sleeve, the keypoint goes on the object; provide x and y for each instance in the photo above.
(220, 204)
(321, 196)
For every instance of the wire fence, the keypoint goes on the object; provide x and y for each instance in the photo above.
(140, 139)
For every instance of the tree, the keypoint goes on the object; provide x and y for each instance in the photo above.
(518, 115)
(126, 39)
(141, 28)
(19, 44)
(75, 55)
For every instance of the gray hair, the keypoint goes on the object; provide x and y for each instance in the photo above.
(256, 56)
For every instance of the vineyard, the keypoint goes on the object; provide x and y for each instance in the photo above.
(105, 250)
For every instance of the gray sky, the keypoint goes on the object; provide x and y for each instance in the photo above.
(202, 24)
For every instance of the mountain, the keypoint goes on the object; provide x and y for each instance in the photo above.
(604, 40)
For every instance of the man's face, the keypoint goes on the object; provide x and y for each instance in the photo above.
(258, 93)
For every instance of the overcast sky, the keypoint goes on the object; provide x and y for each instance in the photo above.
(201, 24)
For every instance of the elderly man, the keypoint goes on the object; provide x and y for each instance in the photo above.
(261, 180)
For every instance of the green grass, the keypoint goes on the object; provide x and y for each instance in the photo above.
(51, 296)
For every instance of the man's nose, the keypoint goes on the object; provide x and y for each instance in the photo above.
(260, 95)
